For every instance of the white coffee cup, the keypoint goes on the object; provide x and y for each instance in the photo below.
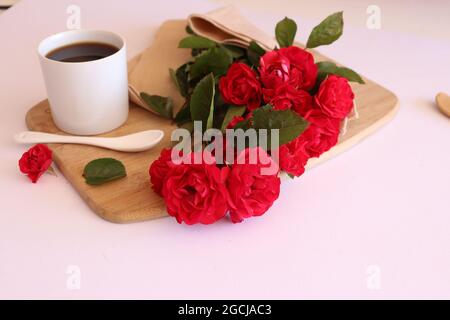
(89, 97)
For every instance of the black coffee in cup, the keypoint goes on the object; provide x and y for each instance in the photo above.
(82, 52)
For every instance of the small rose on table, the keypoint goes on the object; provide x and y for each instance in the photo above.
(36, 161)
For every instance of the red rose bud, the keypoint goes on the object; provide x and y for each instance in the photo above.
(291, 65)
(196, 193)
(36, 161)
(335, 97)
(241, 87)
(252, 191)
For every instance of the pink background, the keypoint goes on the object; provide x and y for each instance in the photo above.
(380, 211)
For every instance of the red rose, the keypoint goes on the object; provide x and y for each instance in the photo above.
(158, 170)
(241, 87)
(293, 156)
(291, 65)
(196, 193)
(252, 191)
(303, 69)
(274, 69)
(287, 97)
(321, 134)
(335, 97)
(35, 161)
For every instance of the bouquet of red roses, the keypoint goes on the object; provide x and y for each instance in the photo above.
(232, 88)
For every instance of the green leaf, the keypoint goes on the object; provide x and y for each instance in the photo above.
(196, 42)
(289, 123)
(161, 105)
(195, 52)
(173, 76)
(184, 115)
(326, 32)
(349, 74)
(180, 78)
(326, 67)
(202, 101)
(255, 47)
(103, 170)
(244, 125)
(285, 31)
(254, 52)
(235, 51)
(189, 30)
(233, 111)
(215, 60)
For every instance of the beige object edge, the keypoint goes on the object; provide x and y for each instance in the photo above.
(443, 103)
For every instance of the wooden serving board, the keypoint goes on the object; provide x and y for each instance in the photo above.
(131, 199)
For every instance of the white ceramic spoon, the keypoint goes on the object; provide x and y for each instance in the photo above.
(139, 141)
